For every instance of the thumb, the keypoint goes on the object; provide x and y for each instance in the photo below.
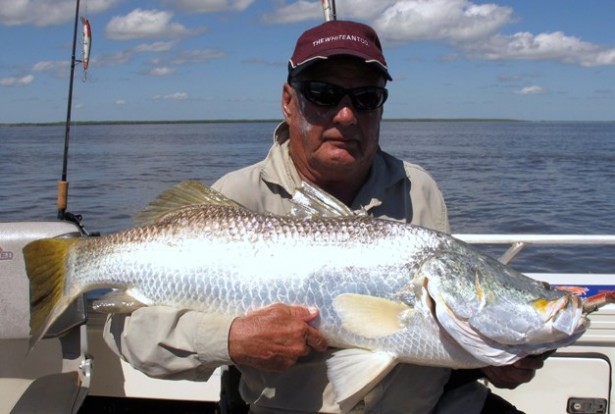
(305, 313)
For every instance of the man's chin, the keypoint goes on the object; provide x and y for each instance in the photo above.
(346, 155)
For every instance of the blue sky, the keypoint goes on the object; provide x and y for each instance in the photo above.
(226, 59)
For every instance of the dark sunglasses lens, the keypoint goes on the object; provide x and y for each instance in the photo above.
(366, 99)
(325, 94)
(322, 94)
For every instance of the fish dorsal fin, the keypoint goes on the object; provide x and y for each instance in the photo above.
(309, 201)
(370, 316)
(354, 372)
(185, 194)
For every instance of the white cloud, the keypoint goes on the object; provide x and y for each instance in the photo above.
(55, 68)
(120, 102)
(545, 46)
(476, 30)
(161, 71)
(363, 9)
(197, 56)
(454, 21)
(210, 6)
(46, 12)
(263, 62)
(312, 10)
(164, 66)
(17, 81)
(177, 96)
(140, 24)
(112, 59)
(472, 29)
(531, 90)
(154, 47)
(295, 12)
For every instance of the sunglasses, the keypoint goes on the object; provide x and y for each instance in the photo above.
(364, 98)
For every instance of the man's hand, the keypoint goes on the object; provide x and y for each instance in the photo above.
(274, 337)
(511, 376)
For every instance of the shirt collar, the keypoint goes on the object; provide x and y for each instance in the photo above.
(279, 169)
(386, 172)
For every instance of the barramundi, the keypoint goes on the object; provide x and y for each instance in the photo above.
(387, 292)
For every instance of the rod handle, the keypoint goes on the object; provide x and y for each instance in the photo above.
(62, 195)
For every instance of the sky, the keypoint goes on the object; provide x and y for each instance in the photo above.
(226, 59)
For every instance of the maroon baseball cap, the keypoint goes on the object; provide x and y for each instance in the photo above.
(337, 38)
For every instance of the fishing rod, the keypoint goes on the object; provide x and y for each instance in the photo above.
(328, 7)
(62, 197)
(63, 183)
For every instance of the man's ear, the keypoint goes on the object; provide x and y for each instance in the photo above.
(287, 100)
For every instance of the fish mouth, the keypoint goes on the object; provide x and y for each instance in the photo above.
(569, 318)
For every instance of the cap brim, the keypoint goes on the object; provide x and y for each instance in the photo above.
(296, 69)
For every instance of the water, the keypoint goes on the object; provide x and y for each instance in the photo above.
(497, 177)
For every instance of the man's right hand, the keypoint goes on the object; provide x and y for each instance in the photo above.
(274, 337)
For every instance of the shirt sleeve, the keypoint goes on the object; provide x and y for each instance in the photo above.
(428, 205)
(165, 342)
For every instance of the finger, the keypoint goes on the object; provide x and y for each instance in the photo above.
(529, 363)
(306, 348)
(306, 314)
(508, 376)
(546, 354)
(315, 339)
(523, 376)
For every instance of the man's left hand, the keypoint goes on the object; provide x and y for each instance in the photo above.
(511, 376)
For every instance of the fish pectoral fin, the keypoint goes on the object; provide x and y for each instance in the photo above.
(185, 194)
(370, 316)
(309, 201)
(354, 372)
(117, 301)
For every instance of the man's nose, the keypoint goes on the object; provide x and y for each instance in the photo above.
(346, 113)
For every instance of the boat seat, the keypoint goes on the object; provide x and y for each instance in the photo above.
(54, 376)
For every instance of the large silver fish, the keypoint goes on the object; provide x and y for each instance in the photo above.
(387, 292)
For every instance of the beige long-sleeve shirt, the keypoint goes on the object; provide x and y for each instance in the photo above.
(178, 344)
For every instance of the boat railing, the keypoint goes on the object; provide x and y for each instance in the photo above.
(518, 242)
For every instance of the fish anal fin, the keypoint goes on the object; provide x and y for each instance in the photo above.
(370, 316)
(117, 301)
(185, 194)
(354, 372)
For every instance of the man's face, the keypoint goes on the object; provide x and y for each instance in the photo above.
(333, 143)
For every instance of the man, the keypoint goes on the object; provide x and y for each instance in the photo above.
(332, 107)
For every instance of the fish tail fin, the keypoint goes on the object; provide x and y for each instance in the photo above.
(45, 265)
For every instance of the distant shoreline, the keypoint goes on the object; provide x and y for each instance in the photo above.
(236, 121)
